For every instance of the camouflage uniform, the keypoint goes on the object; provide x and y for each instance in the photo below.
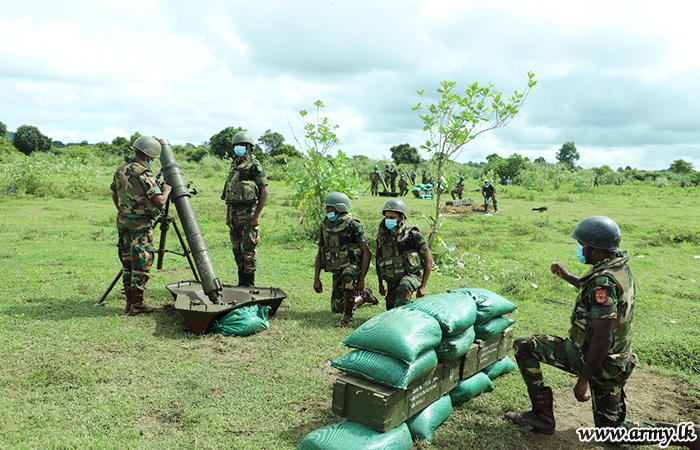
(606, 292)
(135, 187)
(341, 255)
(374, 179)
(393, 174)
(241, 193)
(458, 190)
(399, 262)
(403, 186)
(489, 192)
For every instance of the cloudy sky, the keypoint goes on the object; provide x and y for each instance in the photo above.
(619, 78)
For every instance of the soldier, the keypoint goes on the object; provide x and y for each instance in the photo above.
(138, 199)
(402, 254)
(393, 174)
(413, 177)
(374, 179)
(343, 251)
(459, 189)
(598, 349)
(489, 192)
(403, 186)
(424, 178)
(245, 193)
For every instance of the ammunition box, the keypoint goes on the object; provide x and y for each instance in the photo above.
(383, 408)
(471, 361)
(451, 374)
(506, 343)
(495, 348)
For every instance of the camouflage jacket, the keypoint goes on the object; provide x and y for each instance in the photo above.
(340, 243)
(244, 180)
(374, 177)
(606, 292)
(135, 186)
(398, 251)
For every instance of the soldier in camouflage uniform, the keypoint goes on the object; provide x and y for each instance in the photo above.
(343, 251)
(459, 189)
(403, 186)
(489, 193)
(245, 193)
(138, 200)
(402, 254)
(374, 179)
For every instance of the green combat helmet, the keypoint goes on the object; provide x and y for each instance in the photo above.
(598, 232)
(242, 137)
(396, 205)
(376, 167)
(338, 200)
(148, 146)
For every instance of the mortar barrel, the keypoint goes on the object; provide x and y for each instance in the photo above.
(180, 196)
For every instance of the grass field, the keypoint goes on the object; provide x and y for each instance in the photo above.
(77, 376)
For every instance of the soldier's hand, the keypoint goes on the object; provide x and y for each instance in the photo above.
(360, 285)
(166, 189)
(559, 270)
(382, 289)
(421, 292)
(580, 391)
(318, 286)
(255, 222)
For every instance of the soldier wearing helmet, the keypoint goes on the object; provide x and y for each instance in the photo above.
(459, 189)
(598, 349)
(403, 260)
(343, 251)
(374, 179)
(138, 199)
(403, 186)
(489, 193)
(392, 175)
(245, 194)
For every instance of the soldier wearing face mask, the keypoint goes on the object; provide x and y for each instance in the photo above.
(245, 193)
(403, 257)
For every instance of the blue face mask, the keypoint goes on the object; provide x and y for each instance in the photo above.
(332, 216)
(579, 254)
(148, 163)
(239, 150)
(390, 224)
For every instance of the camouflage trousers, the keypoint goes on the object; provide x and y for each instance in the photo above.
(344, 287)
(457, 191)
(244, 238)
(374, 188)
(607, 384)
(136, 252)
(399, 291)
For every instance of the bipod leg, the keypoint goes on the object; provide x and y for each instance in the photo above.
(186, 251)
(109, 289)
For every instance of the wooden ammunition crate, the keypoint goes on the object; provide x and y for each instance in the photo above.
(506, 343)
(493, 349)
(471, 360)
(383, 408)
(452, 374)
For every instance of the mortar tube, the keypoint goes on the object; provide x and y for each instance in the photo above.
(180, 196)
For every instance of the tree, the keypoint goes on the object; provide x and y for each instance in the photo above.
(540, 160)
(405, 154)
(221, 142)
(28, 139)
(568, 154)
(270, 140)
(454, 121)
(133, 138)
(3, 129)
(510, 167)
(121, 145)
(286, 149)
(681, 167)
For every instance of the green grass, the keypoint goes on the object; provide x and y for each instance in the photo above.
(77, 376)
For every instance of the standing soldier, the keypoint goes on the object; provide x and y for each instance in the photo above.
(424, 178)
(403, 186)
(402, 254)
(374, 179)
(413, 177)
(393, 174)
(489, 192)
(343, 251)
(459, 189)
(138, 199)
(245, 193)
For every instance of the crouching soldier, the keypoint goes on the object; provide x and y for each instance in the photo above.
(402, 254)
(343, 251)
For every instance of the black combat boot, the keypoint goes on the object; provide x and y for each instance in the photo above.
(249, 279)
(241, 277)
(127, 292)
(541, 418)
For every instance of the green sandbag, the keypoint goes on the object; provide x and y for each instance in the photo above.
(471, 387)
(488, 304)
(243, 321)
(400, 332)
(452, 347)
(500, 367)
(493, 327)
(454, 312)
(384, 369)
(423, 424)
(350, 435)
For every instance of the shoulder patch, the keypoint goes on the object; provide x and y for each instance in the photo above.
(601, 296)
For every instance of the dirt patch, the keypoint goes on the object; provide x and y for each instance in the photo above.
(461, 210)
(651, 397)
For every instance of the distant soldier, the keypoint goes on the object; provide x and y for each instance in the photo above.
(343, 251)
(413, 177)
(403, 186)
(424, 178)
(403, 256)
(392, 174)
(489, 193)
(459, 189)
(138, 200)
(374, 179)
(245, 193)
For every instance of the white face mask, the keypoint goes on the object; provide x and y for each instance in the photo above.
(240, 150)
